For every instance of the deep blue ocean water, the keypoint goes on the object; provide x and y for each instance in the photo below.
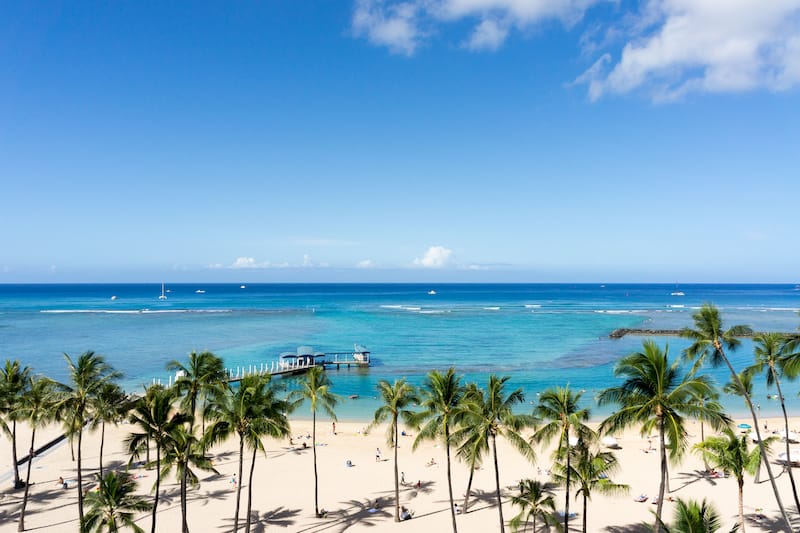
(540, 334)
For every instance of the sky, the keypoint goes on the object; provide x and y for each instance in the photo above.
(413, 140)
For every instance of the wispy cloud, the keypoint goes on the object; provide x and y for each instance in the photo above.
(489, 34)
(403, 25)
(394, 25)
(248, 263)
(677, 47)
(323, 242)
(366, 263)
(435, 257)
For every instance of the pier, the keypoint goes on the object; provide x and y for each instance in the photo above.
(293, 363)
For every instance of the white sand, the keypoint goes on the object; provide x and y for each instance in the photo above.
(284, 486)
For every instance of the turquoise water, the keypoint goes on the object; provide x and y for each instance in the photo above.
(541, 335)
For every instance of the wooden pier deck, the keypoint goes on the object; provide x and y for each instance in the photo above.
(288, 368)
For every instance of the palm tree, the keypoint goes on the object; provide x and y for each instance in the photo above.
(559, 409)
(114, 504)
(693, 517)
(315, 387)
(240, 411)
(204, 373)
(591, 473)
(656, 395)
(396, 399)
(491, 415)
(182, 451)
(111, 405)
(37, 409)
(153, 414)
(271, 422)
(535, 500)
(773, 351)
(730, 453)
(442, 405)
(88, 375)
(476, 446)
(709, 340)
(13, 380)
(710, 400)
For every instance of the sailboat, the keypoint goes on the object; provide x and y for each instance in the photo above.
(163, 296)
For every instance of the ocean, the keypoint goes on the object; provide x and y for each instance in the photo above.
(539, 334)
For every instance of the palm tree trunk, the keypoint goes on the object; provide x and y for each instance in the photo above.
(27, 484)
(497, 484)
(314, 452)
(185, 476)
(147, 457)
(450, 476)
(80, 481)
(663, 485)
(250, 491)
(469, 487)
(239, 485)
(786, 427)
(763, 450)
(14, 453)
(158, 486)
(396, 475)
(703, 438)
(584, 511)
(184, 517)
(741, 504)
(566, 501)
(102, 442)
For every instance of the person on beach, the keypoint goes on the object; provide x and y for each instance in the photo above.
(402, 478)
(233, 481)
(377, 454)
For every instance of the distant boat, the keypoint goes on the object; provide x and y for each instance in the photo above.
(677, 293)
(432, 292)
(113, 297)
(199, 291)
(242, 287)
(163, 296)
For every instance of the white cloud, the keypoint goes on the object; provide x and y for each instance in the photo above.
(321, 241)
(246, 262)
(488, 35)
(685, 46)
(435, 257)
(390, 24)
(402, 25)
(476, 267)
(366, 263)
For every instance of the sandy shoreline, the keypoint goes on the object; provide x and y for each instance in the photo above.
(284, 498)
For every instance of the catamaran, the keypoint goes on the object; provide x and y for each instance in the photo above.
(163, 296)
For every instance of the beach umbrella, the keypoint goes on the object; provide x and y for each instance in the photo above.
(745, 426)
(791, 436)
(792, 458)
(610, 442)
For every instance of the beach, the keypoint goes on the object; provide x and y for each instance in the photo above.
(283, 485)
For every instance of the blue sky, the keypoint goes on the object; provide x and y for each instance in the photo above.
(368, 140)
